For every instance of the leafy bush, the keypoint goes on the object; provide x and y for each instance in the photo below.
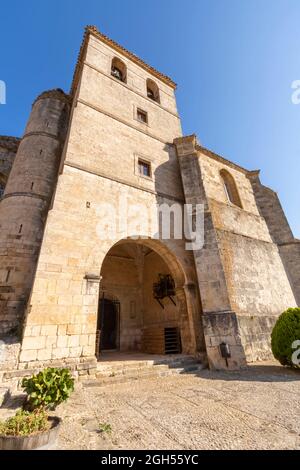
(285, 332)
(25, 423)
(48, 388)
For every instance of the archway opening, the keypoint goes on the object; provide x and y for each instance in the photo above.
(140, 302)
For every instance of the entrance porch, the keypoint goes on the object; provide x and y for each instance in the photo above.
(142, 305)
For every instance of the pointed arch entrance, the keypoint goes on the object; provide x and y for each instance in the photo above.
(135, 316)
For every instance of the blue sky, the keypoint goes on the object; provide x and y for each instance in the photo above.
(234, 62)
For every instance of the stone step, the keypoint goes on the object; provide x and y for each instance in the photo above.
(129, 370)
(110, 371)
(139, 374)
(4, 394)
(138, 368)
(122, 365)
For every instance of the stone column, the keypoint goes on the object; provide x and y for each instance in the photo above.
(219, 321)
(25, 204)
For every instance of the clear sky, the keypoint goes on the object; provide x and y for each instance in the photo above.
(234, 62)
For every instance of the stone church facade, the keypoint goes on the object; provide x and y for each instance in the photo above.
(66, 293)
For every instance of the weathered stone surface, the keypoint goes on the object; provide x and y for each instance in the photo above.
(9, 352)
(4, 394)
(239, 268)
(8, 150)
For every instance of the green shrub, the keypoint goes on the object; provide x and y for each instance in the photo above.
(285, 332)
(25, 423)
(48, 388)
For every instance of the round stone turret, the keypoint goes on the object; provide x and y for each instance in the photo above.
(26, 201)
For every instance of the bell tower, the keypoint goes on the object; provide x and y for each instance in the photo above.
(26, 201)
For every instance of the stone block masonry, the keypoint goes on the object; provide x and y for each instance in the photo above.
(289, 247)
(82, 151)
(242, 280)
(25, 203)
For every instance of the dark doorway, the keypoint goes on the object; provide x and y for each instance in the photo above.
(108, 324)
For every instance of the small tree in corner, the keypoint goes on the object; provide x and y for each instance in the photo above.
(285, 338)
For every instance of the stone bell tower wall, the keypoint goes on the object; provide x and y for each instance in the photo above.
(100, 170)
(271, 210)
(25, 203)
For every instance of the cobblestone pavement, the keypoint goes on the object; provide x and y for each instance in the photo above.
(258, 408)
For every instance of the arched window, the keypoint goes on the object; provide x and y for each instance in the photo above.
(119, 70)
(152, 90)
(230, 188)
